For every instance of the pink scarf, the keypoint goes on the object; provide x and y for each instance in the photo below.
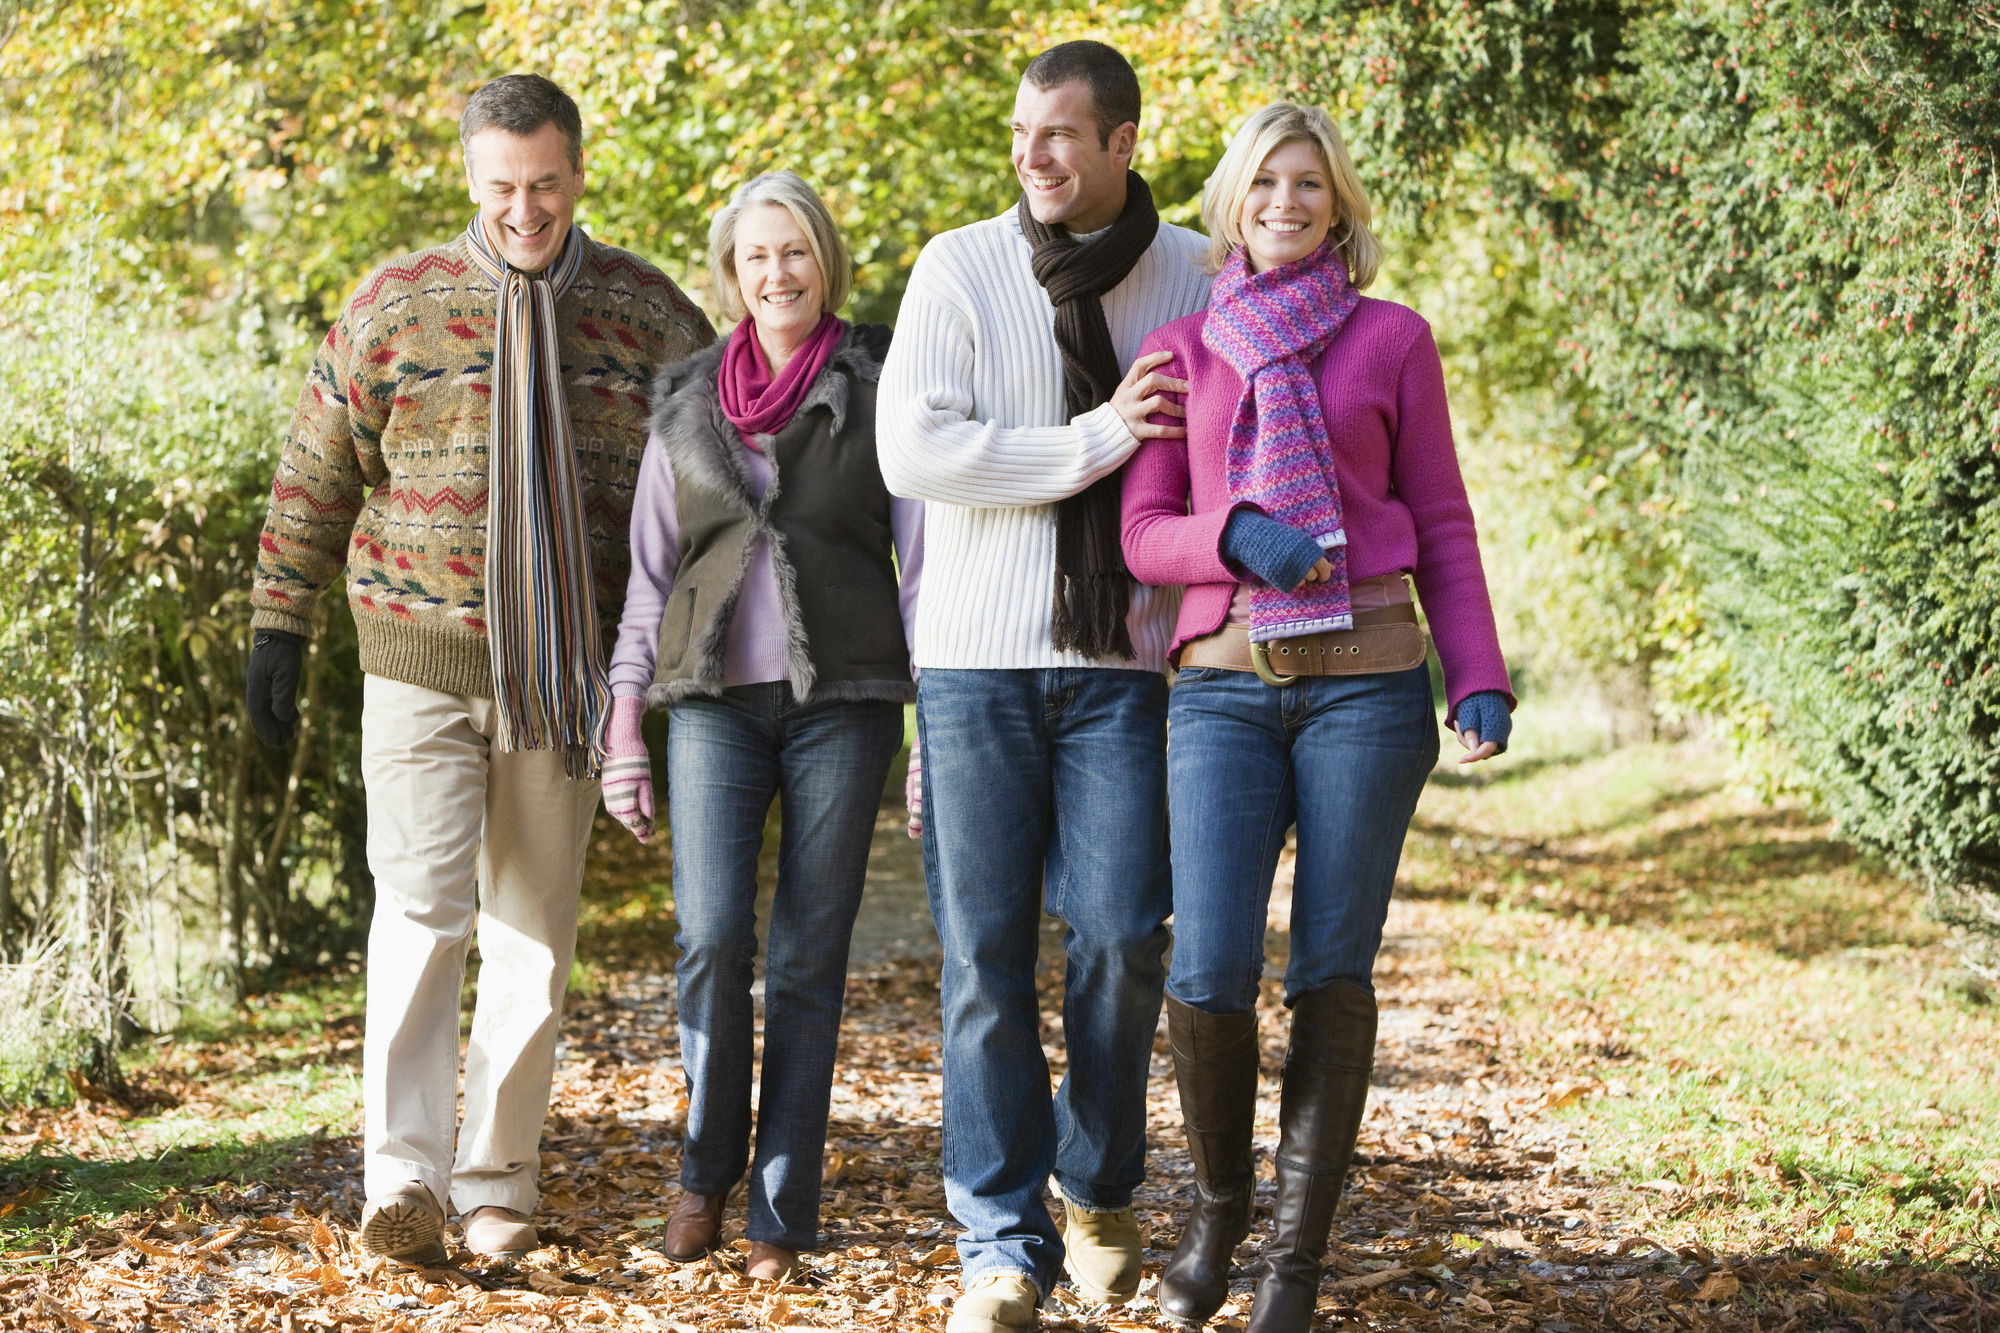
(1269, 326)
(755, 403)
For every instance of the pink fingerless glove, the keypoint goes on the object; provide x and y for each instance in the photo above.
(628, 769)
(913, 787)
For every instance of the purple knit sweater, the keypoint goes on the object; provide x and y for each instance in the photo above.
(1381, 387)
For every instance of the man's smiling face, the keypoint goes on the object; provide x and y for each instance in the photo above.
(1067, 170)
(526, 188)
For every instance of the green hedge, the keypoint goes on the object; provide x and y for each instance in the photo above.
(149, 845)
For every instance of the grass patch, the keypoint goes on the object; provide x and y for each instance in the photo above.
(235, 1096)
(304, 1009)
(87, 1173)
(1764, 1017)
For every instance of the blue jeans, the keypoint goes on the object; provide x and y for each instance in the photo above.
(1044, 790)
(726, 758)
(1345, 757)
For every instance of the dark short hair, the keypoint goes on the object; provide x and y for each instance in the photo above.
(1114, 88)
(521, 104)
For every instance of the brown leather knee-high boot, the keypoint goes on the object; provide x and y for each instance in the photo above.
(1215, 1064)
(1326, 1093)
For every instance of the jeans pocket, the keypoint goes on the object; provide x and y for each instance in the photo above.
(1196, 675)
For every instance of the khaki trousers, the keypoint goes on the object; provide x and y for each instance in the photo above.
(460, 837)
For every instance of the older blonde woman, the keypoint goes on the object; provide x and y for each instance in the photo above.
(1317, 471)
(764, 612)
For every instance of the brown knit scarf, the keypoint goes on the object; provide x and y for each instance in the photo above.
(1093, 588)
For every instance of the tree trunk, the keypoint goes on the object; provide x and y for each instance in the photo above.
(9, 946)
(51, 847)
(229, 882)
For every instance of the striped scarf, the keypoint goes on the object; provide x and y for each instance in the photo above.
(1269, 326)
(541, 613)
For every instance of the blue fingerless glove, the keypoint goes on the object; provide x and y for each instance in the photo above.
(1275, 552)
(1486, 715)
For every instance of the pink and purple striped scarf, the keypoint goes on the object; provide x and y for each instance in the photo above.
(1270, 326)
(541, 611)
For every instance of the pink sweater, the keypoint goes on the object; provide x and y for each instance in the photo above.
(1403, 501)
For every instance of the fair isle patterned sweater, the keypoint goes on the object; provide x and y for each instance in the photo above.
(384, 472)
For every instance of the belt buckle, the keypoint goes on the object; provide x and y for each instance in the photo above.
(1260, 661)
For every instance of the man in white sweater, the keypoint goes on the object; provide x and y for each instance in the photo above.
(1042, 704)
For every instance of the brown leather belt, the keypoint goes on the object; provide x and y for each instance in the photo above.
(1385, 639)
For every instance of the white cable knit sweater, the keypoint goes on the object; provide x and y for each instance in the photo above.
(970, 419)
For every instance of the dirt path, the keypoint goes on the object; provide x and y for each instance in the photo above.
(1464, 1210)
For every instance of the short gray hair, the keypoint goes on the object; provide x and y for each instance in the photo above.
(789, 192)
(521, 104)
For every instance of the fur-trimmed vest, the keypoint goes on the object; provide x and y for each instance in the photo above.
(825, 513)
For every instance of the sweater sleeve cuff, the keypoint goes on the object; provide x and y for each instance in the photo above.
(1111, 440)
(265, 618)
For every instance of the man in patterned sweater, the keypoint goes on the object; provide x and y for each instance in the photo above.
(465, 449)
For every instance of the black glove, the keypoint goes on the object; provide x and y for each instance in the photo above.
(273, 681)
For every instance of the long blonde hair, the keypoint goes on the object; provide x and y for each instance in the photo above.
(1261, 135)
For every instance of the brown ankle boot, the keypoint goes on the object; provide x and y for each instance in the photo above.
(1215, 1064)
(1326, 1093)
(695, 1227)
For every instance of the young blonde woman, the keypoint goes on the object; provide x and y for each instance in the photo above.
(1316, 471)
(764, 612)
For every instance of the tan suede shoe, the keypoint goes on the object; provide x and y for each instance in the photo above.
(499, 1233)
(771, 1263)
(405, 1224)
(1102, 1253)
(996, 1303)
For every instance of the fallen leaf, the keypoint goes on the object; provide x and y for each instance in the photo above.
(147, 1247)
(1719, 1287)
(1370, 1281)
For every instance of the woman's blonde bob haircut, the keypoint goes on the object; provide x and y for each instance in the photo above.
(1229, 184)
(787, 191)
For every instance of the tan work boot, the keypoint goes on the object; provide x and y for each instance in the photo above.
(500, 1233)
(770, 1263)
(405, 1224)
(1102, 1253)
(996, 1303)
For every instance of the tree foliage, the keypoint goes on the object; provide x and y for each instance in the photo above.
(288, 147)
(1769, 229)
